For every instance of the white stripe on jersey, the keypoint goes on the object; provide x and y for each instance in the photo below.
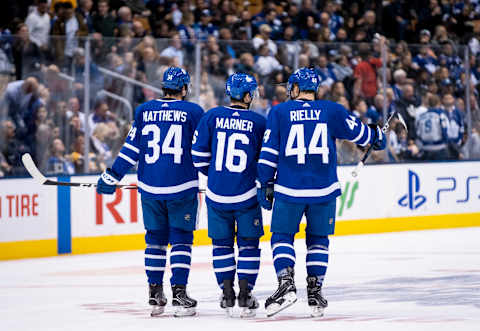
(233, 198)
(131, 147)
(307, 193)
(269, 150)
(168, 189)
(126, 158)
(271, 164)
(203, 154)
(368, 137)
(201, 164)
(360, 135)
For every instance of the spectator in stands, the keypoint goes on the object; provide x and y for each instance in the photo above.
(12, 149)
(432, 131)
(325, 71)
(58, 163)
(125, 17)
(456, 126)
(266, 63)
(101, 114)
(100, 147)
(38, 22)
(365, 74)
(26, 55)
(83, 12)
(102, 21)
(264, 38)
(406, 107)
(73, 109)
(174, 50)
(67, 27)
(205, 28)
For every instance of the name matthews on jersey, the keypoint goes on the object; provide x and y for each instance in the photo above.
(234, 124)
(305, 115)
(164, 116)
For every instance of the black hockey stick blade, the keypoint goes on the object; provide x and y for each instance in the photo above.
(41, 179)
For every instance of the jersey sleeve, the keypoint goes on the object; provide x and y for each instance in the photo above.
(130, 151)
(444, 124)
(201, 150)
(345, 125)
(268, 160)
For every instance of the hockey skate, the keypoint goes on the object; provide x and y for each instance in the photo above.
(284, 296)
(184, 305)
(227, 300)
(315, 299)
(246, 301)
(157, 299)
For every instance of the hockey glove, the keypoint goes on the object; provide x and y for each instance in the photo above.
(265, 196)
(379, 138)
(107, 182)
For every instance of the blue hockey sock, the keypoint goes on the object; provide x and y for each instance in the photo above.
(283, 251)
(155, 255)
(248, 260)
(317, 256)
(223, 260)
(180, 255)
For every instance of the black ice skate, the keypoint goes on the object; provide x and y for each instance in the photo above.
(284, 296)
(184, 305)
(315, 299)
(246, 300)
(227, 300)
(156, 299)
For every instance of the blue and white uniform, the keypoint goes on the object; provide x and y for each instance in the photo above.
(160, 141)
(432, 133)
(299, 155)
(226, 148)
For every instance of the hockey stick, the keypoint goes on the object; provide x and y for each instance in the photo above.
(370, 149)
(40, 178)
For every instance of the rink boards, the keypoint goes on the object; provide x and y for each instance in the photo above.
(40, 221)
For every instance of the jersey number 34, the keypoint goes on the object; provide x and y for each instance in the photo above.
(297, 134)
(174, 134)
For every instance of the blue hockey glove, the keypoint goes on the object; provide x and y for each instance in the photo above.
(107, 182)
(265, 196)
(379, 140)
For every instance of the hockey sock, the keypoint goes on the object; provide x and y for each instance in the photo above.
(248, 260)
(317, 256)
(155, 255)
(283, 251)
(223, 260)
(180, 255)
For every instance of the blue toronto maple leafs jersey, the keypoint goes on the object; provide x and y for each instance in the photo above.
(160, 140)
(299, 147)
(432, 129)
(226, 147)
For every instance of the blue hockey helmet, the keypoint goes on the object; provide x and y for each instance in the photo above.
(306, 79)
(175, 78)
(238, 84)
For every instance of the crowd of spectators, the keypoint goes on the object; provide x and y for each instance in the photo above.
(43, 67)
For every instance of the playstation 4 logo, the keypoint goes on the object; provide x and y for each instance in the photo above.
(412, 199)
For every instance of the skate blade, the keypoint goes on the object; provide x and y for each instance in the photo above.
(317, 311)
(184, 312)
(229, 311)
(273, 309)
(157, 311)
(248, 313)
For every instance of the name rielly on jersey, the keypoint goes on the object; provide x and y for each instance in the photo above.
(234, 124)
(305, 115)
(164, 116)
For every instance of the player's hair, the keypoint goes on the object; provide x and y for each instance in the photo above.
(167, 91)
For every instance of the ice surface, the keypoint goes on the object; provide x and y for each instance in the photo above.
(428, 280)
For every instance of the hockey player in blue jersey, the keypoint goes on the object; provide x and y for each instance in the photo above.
(225, 148)
(299, 155)
(160, 140)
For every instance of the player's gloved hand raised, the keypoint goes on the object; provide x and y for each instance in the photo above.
(107, 182)
(379, 139)
(265, 196)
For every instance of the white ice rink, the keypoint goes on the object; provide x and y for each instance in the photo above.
(428, 280)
